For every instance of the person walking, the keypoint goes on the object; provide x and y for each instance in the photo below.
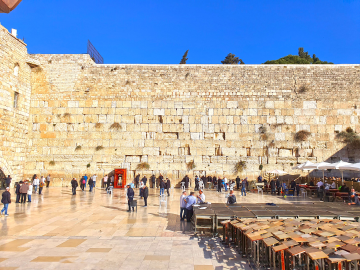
(145, 194)
(278, 186)
(8, 181)
(29, 192)
(168, 186)
(36, 183)
(94, 180)
(86, 179)
(182, 205)
(112, 179)
(130, 196)
(105, 179)
(17, 191)
(23, 190)
(74, 185)
(196, 182)
(6, 200)
(243, 186)
(226, 183)
(219, 185)
(91, 184)
(41, 186)
(137, 180)
(141, 189)
(48, 181)
(82, 183)
(162, 187)
(152, 179)
(237, 180)
(144, 180)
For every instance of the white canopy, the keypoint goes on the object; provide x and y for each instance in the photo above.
(355, 166)
(317, 166)
(279, 172)
(301, 166)
(341, 165)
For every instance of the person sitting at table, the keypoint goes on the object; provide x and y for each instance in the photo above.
(344, 188)
(311, 183)
(353, 198)
(201, 197)
(231, 198)
(333, 185)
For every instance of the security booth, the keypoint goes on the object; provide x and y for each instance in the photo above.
(120, 178)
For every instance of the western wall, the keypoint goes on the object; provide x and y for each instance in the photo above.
(78, 117)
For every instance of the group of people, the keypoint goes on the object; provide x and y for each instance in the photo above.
(144, 193)
(23, 190)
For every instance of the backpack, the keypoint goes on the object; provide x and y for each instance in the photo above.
(83, 181)
(232, 199)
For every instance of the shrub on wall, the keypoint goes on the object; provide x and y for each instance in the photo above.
(99, 147)
(239, 167)
(115, 126)
(143, 166)
(301, 135)
(52, 163)
(98, 125)
(349, 136)
(78, 148)
(190, 165)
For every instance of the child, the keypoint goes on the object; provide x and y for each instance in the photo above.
(29, 193)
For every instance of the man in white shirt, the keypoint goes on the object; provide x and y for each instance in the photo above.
(94, 180)
(333, 185)
(105, 181)
(36, 183)
(201, 197)
(319, 184)
(182, 205)
(225, 183)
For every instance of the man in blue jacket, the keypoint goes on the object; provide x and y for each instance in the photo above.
(130, 195)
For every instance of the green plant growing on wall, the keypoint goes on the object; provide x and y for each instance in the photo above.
(142, 166)
(78, 148)
(99, 147)
(230, 59)
(115, 126)
(88, 165)
(190, 165)
(261, 167)
(66, 115)
(239, 167)
(301, 135)
(52, 163)
(349, 136)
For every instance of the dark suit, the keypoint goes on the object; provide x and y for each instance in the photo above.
(146, 195)
(130, 194)
(168, 186)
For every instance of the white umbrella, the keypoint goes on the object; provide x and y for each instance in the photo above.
(355, 167)
(318, 166)
(341, 165)
(279, 172)
(301, 166)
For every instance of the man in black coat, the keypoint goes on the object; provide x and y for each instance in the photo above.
(237, 182)
(130, 195)
(137, 180)
(162, 187)
(168, 185)
(8, 181)
(152, 179)
(74, 185)
(278, 186)
(17, 191)
(219, 185)
(273, 186)
(91, 183)
(6, 200)
(144, 180)
(145, 195)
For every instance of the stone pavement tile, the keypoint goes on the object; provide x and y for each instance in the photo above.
(15, 245)
(98, 250)
(3, 259)
(203, 267)
(180, 266)
(8, 268)
(157, 258)
(72, 243)
(62, 259)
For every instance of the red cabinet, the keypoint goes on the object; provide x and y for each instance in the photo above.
(120, 178)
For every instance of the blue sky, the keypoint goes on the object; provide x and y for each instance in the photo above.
(159, 32)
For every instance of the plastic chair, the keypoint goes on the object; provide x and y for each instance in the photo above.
(303, 192)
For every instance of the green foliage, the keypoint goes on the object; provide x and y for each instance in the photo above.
(184, 59)
(143, 166)
(239, 167)
(263, 133)
(52, 163)
(230, 59)
(190, 165)
(77, 148)
(115, 126)
(302, 58)
(99, 147)
(261, 167)
(350, 137)
(88, 165)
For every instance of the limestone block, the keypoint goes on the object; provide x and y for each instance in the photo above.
(196, 136)
(159, 111)
(138, 119)
(309, 105)
(338, 128)
(168, 159)
(279, 136)
(232, 104)
(269, 105)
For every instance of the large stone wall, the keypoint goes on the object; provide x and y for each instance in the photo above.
(15, 73)
(168, 115)
(172, 114)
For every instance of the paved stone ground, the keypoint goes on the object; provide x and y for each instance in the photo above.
(94, 231)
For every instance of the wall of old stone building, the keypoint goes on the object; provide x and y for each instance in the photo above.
(15, 74)
(170, 115)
